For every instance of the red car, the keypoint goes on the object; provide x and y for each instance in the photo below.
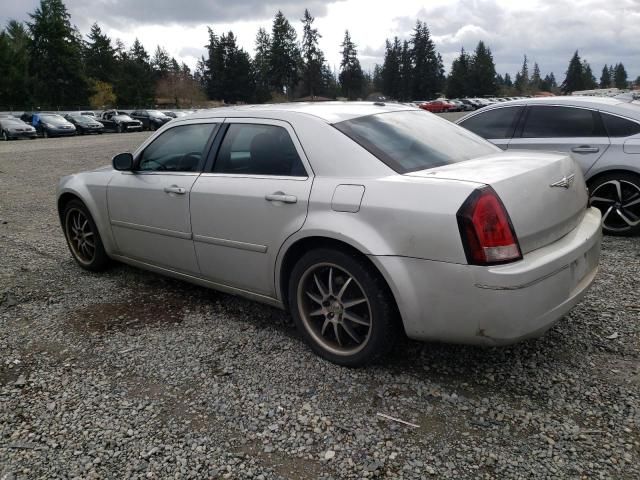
(436, 106)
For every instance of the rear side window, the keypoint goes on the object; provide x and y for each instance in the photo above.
(408, 141)
(553, 122)
(619, 127)
(255, 149)
(496, 123)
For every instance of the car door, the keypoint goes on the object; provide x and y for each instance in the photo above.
(248, 202)
(149, 207)
(574, 130)
(496, 124)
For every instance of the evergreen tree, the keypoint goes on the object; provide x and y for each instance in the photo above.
(391, 69)
(261, 65)
(99, 56)
(507, 81)
(521, 83)
(589, 78)
(351, 76)
(406, 73)
(14, 65)
(535, 81)
(549, 83)
(161, 62)
(55, 53)
(482, 72)
(135, 86)
(377, 78)
(574, 79)
(620, 76)
(605, 77)
(428, 71)
(312, 57)
(229, 73)
(458, 83)
(284, 56)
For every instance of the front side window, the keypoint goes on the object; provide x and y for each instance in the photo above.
(552, 122)
(494, 124)
(179, 149)
(619, 127)
(255, 149)
(411, 140)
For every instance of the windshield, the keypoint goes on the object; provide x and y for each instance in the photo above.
(414, 140)
(53, 119)
(81, 118)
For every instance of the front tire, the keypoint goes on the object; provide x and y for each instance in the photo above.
(5, 137)
(45, 133)
(617, 196)
(83, 237)
(342, 307)
(119, 128)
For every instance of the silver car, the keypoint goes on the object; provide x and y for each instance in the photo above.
(602, 135)
(366, 221)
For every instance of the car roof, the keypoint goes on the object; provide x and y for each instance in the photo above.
(330, 112)
(605, 104)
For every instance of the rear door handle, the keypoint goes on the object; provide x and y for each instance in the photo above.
(175, 189)
(585, 149)
(281, 197)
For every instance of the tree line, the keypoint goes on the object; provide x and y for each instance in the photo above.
(46, 61)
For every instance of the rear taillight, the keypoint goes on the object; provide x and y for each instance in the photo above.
(486, 230)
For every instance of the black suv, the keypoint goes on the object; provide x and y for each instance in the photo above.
(151, 119)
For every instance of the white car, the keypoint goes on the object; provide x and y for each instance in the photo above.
(366, 221)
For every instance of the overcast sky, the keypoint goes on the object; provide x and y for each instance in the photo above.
(547, 31)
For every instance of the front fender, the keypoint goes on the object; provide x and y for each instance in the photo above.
(91, 189)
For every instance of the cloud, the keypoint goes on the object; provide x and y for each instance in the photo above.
(117, 13)
(546, 31)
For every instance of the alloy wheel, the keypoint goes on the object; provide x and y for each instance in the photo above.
(619, 202)
(80, 235)
(334, 308)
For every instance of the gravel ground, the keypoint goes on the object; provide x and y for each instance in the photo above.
(130, 375)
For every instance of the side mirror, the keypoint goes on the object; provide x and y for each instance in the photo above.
(123, 162)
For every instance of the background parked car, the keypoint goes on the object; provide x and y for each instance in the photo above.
(436, 106)
(52, 125)
(84, 123)
(120, 122)
(151, 119)
(175, 114)
(12, 127)
(602, 135)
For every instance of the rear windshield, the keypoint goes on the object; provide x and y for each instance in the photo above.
(408, 141)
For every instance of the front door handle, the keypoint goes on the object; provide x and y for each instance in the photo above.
(281, 197)
(175, 189)
(585, 149)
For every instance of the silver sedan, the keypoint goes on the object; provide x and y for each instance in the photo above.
(602, 135)
(366, 221)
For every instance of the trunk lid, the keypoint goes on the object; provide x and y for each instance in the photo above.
(540, 213)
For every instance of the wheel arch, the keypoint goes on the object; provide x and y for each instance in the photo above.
(603, 173)
(300, 246)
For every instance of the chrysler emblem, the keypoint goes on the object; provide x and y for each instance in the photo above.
(566, 182)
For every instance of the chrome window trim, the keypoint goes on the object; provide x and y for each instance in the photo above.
(257, 177)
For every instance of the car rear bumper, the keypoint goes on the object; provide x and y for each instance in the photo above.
(495, 305)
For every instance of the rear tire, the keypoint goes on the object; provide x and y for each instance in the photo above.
(617, 196)
(342, 307)
(83, 238)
